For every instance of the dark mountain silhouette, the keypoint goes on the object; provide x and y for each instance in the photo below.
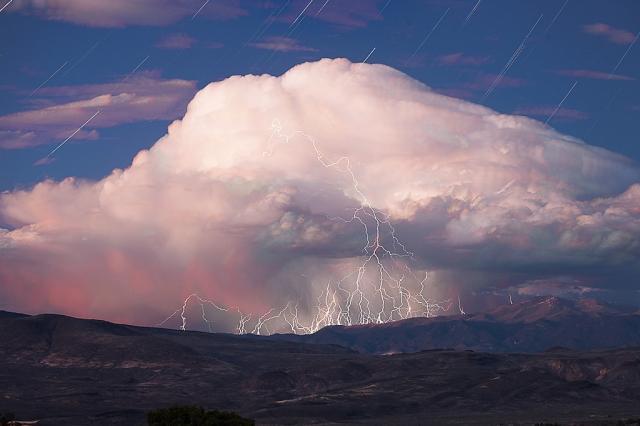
(6, 314)
(529, 326)
(63, 370)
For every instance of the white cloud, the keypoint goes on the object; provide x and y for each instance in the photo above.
(226, 207)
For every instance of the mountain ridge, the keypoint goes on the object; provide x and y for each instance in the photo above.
(93, 372)
(533, 325)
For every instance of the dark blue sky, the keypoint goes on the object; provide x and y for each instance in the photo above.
(95, 52)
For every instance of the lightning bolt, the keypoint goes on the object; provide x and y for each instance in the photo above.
(462, 312)
(376, 291)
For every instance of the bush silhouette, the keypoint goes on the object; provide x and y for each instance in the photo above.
(5, 418)
(191, 415)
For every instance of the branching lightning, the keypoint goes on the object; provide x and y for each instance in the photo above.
(381, 288)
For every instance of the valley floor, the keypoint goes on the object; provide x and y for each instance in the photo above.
(82, 372)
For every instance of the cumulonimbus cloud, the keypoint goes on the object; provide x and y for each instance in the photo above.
(238, 201)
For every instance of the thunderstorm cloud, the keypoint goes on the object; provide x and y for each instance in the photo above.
(238, 203)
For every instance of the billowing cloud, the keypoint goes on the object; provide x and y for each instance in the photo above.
(281, 44)
(260, 194)
(614, 35)
(144, 96)
(120, 13)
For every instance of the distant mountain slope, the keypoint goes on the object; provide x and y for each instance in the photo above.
(530, 326)
(63, 370)
(7, 314)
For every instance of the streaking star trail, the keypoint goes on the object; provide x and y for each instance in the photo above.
(557, 108)
(429, 34)
(470, 15)
(624, 55)
(53, 151)
(48, 79)
(512, 60)
(5, 5)
(369, 55)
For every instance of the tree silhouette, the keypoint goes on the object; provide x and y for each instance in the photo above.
(5, 418)
(192, 415)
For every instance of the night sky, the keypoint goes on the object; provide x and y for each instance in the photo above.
(127, 69)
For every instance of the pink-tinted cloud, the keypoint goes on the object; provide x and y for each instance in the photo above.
(546, 111)
(13, 139)
(241, 202)
(282, 44)
(594, 75)
(145, 96)
(120, 13)
(614, 35)
(176, 41)
(459, 58)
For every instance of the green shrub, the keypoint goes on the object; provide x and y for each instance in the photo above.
(191, 415)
